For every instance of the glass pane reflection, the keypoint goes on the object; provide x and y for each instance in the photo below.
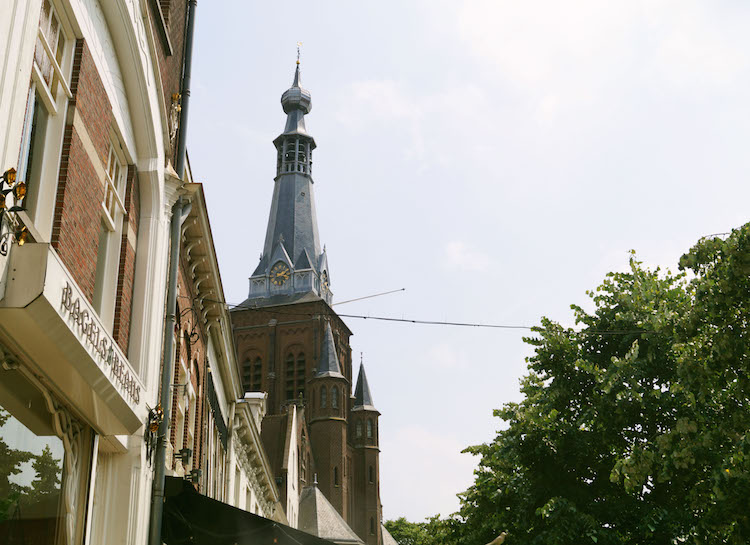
(31, 465)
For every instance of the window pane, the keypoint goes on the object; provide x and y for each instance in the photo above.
(31, 469)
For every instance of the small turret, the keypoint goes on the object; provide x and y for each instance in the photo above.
(328, 392)
(364, 419)
(364, 413)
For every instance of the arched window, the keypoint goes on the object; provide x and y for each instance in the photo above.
(299, 378)
(335, 476)
(372, 474)
(247, 376)
(369, 428)
(252, 372)
(289, 376)
(335, 397)
(323, 397)
(359, 428)
(256, 381)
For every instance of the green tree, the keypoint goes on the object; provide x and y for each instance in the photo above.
(434, 531)
(47, 481)
(407, 533)
(10, 464)
(633, 429)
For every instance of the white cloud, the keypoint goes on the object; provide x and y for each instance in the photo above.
(430, 466)
(432, 119)
(563, 54)
(446, 356)
(459, 255)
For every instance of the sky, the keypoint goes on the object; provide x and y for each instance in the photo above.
(494, 158)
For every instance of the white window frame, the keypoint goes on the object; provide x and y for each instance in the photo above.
(40, 200)
(114, 222)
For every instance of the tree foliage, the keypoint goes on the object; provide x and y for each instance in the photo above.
(433, 531)
(634, 425)
(45, 485)
(633, 429)
(10, 465)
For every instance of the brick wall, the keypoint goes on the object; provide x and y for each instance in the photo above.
(329, 448)
(75, 231)
(273, 344)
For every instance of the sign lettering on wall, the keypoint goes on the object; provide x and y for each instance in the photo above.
(89, 331)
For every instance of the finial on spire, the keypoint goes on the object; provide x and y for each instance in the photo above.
(361, 358)
(299, 44)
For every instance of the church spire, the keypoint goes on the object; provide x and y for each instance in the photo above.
(362, 395)
(292, 262)
(328, 366)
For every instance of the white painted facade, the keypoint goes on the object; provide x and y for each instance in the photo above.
(53, 344)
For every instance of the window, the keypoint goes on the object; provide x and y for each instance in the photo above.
(43, 471)
(110, 237)
(255, 382)
(369, 428)
(359, 428)
(44, 121)
(114, 189)
(300, 375)
(335, 397)
(252, 373)
(295, 375)
(372, 526)
(181, 416)
(50, 46)
(371, 474)
(290, 376)
(335, 476)
(323, 397)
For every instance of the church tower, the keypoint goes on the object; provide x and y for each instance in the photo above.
(328, 427)
(292, 262)
(292, 344)
(364, 421)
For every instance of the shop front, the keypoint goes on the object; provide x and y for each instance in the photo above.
(65, 389)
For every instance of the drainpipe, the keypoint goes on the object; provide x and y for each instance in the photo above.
(180, 212)
(185, 101)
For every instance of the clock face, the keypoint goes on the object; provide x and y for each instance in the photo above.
(279, 273)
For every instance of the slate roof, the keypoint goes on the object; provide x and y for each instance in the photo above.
(362, 395)
(292, 232)
(282, 299)
(318, 517)
(328, 365)
(387, 537)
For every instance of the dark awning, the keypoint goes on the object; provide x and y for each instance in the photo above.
(190, 517)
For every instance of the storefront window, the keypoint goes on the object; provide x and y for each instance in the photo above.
(41, 486)
(30, 481)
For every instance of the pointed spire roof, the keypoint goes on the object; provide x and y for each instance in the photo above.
(362, 395)
(292, 232)
(328, 365)
(318, 517)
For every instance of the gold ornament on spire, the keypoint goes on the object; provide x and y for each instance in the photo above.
(299, 44)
